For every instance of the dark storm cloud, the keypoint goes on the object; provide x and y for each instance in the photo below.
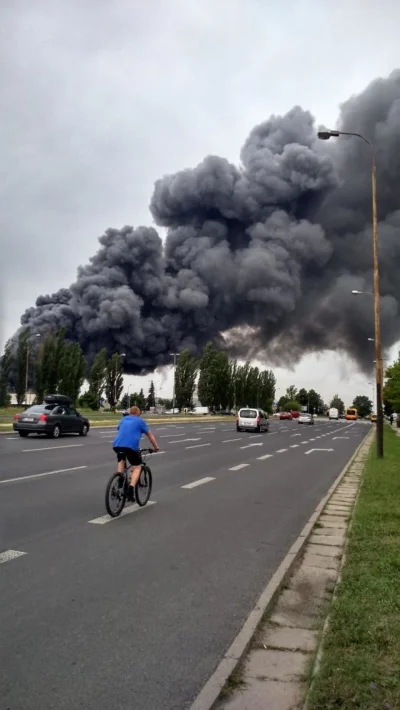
(276, 244)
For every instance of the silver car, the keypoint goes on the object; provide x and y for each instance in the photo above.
(306, 418)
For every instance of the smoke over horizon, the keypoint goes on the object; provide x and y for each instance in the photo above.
(260, 257)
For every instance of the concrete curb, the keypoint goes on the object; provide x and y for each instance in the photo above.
(325, 628)
(209, 694)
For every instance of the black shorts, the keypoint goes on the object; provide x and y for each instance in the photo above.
(124, 452)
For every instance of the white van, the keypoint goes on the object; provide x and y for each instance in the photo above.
(333, 413)
(253, 419)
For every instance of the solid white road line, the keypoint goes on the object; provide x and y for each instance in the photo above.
(40, 475)
(126, 511)
(199, 482)
(248, 446)
(52, 448)
(10, 555)
(13, 438)
(227, 441)
(266, 456)
(239, 466)
(197, 446)
(280, 451)
(182, 441)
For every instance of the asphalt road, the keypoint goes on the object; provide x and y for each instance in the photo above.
(138, 611)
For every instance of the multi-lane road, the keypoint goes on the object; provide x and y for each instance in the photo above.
(137, 612)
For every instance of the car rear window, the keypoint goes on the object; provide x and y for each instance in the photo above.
(248, 413)
(39, 409)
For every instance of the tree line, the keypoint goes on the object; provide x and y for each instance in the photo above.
(58, 366)
(222, 384)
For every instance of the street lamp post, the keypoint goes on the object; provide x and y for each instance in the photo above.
(117, 363)
(325, 135)
(37, 335)
(174, 355)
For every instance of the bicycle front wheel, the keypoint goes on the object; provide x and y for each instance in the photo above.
(144, 486)
(115, 495)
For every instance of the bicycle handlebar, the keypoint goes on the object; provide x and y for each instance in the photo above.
(147, 451)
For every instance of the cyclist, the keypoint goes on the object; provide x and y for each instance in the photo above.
(126, 445)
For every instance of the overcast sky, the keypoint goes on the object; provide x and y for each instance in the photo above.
(98, 99)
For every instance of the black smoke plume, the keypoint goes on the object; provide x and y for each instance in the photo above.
(261, 257)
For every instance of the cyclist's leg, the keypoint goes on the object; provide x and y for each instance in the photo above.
(121, 457)
(135, 460)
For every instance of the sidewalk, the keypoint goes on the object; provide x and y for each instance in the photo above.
(351, 659)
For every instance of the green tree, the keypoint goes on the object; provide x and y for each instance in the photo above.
(167, 403)
(337, 403)
(363, 404)
(206, 388)
(114, 382)
(151, 399)
(71, 371)
(97, 380)
(315, 402)
(185, 380)
(23, 362)
(267, 386)
(125, 401)
(391, 391)
(6, 364)
(302, 397)
(138, 399)
(282, 403)
(291, 393)
(292, 406)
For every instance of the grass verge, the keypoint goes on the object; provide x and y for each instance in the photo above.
(360, 665)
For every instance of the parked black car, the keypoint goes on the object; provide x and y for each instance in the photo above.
(54, 417)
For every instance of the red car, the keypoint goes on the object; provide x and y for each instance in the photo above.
(295, 414)
(285, 415)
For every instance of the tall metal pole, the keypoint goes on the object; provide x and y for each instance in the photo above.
(26, 375)
(173, 390)
(325, 135)
(377, 317)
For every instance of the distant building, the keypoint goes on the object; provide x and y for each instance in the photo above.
(28, 400)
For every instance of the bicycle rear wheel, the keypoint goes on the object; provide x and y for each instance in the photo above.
(115, 495)
(144, 486)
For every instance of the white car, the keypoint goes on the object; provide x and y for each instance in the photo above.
(306, 418)
(252, 419)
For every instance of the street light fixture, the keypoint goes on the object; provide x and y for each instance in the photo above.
(174, 355)
(326, 135)
(116, 376)
(362, 293)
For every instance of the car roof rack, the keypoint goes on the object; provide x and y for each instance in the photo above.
(57, 399)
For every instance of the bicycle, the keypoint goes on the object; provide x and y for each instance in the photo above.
(117, 487)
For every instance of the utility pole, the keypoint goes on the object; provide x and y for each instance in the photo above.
(174, 355)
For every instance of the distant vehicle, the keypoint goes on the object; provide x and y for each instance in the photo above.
(295, 414)
(285, 415)
(334, 413)
(373, 418)
(306, 418)
(56, 416)
(253, 419)
(200, 410)
(172, 411)
(351, 414)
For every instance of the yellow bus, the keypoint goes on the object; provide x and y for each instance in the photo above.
(351, 414)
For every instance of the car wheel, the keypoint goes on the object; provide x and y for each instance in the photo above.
(55, 434)
(84, 430)
(23, 433)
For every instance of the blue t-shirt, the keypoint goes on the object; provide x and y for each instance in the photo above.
(130, 431)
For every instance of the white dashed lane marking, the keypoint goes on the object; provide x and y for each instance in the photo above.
(52, 448)
(126, 511)
(40, 475)
(9, 555)
(239, 466)
(281, 451)
(197, 446)
(266, 456)
(200, 482)
(228, 441)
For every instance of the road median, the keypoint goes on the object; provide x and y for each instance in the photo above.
(110, 423)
